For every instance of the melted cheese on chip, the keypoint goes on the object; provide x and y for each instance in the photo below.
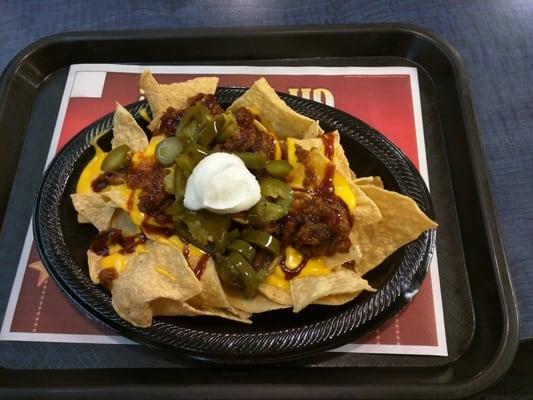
(314, 267)
(343, 190)
(277, 150)
(340, 184)
(175, 241)
(149, 151)
(117, 260)
(132, 208)
(291, 151)
(128, 201)
(91, 171)
(166, 273)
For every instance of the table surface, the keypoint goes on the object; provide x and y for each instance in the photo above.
(494, 38)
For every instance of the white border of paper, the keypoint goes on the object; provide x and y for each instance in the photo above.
(439, 350)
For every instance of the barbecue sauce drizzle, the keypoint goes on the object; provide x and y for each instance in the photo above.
(328, 140)
(292, 272)
(112, 236)
(186, 251)
(200, 267)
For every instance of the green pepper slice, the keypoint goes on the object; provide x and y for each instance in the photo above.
(191, 155)
(247, 275)
(179, 183)
(226, 126)
(167, 150)
(278, 168)
(168, 181)
(253, 160)
(244, 248)
(235, 271)
(116, 158)
(197, 152)
(208, 131)
(266, 210)
(205, 226)
(197, 126)
(228, 272)
(263, 239)
(225, 239)
(275, 189)
(185, 164)
(191, 123)
(176, 209)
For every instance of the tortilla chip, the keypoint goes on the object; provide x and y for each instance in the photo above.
(309, 143)
(255, 305)
(93, 260)
(94, 208)
(127, 131)
(176, 95)
(121, 220)
(354, 254)
(402, 223)
(337, 299)
(119, 197)
(313, 131)
(210, 301)
(160, 272)
(366, 211)
(262, 99)
(82, 219)
(212, 294)
(370, 180)
(305, 291)
(166, 307)
(276, 294)
(339, 157)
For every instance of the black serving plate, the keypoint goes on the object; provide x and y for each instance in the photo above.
(274, 336)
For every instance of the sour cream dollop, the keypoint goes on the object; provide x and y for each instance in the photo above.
(221, 183)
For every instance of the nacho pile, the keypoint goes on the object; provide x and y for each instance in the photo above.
(317, 229)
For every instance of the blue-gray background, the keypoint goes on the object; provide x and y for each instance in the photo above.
(495, 39)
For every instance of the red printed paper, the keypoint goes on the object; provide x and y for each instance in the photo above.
(386, 98)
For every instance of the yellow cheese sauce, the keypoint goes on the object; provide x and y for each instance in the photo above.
(314, 267)
(277, 150)
(149, 151)
(91, 171)
(165, 273)
(132, 207)
(291, 151)
(117, 260)
(343, 190)
(175, 241)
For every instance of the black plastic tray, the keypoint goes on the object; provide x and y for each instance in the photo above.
(473, 271)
